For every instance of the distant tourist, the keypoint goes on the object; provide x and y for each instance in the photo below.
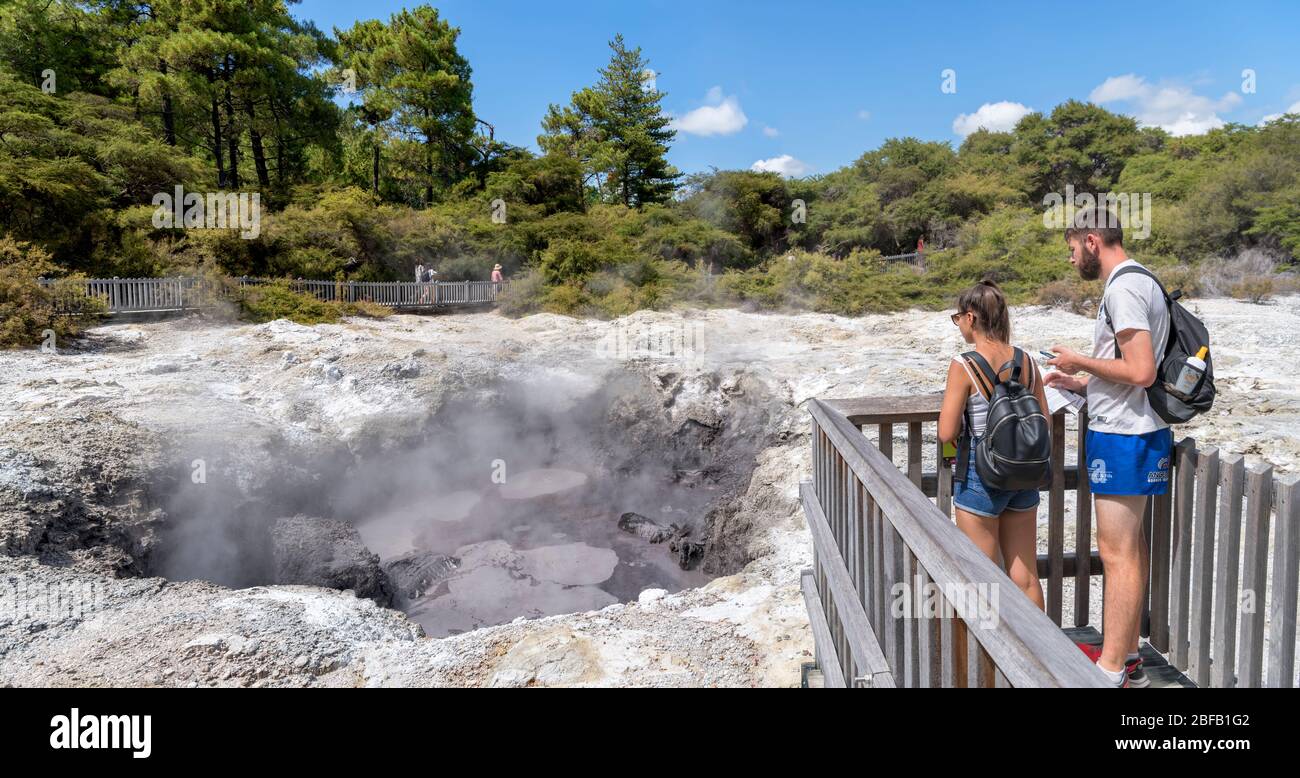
(1128, 444)
(1001, 522)
(496, 275)
(424, 275)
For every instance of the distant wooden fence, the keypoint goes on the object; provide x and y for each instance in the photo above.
(159, 295)
(915, 259)
(1211, 603)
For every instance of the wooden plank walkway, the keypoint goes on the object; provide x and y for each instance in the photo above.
(1162, 674)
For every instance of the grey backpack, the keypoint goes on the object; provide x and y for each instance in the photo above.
(1015, 451)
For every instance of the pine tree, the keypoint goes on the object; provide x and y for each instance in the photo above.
(618, 131)
(411, 67)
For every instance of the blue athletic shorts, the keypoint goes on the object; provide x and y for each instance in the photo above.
(1129, 464)
(974, 497)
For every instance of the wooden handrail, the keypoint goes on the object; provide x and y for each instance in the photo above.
(868, 659)
(1219, 517)
(888, 410)
(1025, 645)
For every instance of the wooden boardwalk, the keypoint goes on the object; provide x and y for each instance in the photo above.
(1162, 674)
(184, 293)
(1215, 598)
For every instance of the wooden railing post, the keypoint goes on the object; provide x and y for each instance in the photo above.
(1282, 603)
(1180, 573)
(1254, 575)
(1207, 486)
(1082, 529)
(1056, 522)
(1228, 548)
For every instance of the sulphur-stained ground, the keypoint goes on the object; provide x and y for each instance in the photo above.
(85, 432)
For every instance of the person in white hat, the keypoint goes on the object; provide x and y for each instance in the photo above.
(497, 278)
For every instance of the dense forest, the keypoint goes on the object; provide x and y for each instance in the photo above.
(369, 157)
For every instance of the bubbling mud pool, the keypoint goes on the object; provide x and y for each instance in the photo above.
(545, 542)
(511, 502)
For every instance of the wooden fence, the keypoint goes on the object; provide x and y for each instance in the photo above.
(1211, 604)
(158, 295)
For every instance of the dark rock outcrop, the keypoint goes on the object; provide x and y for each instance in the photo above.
(325, 552)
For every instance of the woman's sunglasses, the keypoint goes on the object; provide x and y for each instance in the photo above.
(957, 316)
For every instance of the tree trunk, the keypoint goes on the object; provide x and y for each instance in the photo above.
(375, 168)
(216, 144)
(428, 171)
(259, 154)
(232, 137)
(168, 112)
(279, 146)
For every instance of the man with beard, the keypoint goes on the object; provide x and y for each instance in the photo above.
(1128, 444)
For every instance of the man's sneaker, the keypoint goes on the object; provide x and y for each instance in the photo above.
(1090, 650)
(1136, 676)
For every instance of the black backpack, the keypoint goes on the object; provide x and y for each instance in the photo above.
(1187, 334)
(1015, 451)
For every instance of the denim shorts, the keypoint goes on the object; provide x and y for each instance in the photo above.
(974, 497)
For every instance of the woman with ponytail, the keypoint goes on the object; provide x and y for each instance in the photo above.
(1002, 523)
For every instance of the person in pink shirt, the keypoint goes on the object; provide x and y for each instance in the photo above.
(496, 275)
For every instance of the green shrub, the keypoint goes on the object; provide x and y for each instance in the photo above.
(276, 300)
(1255, 289)
(30, 312)
(1074, 293)
(566, 299)
(1180, 277)
(524, 294)
(367, 309)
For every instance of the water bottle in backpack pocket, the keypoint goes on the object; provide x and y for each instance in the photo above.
(1015, 451)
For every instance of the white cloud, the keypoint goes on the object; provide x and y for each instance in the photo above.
(721, 116)
(864, 115)
(785, 164)
(995, 117)
(771, 132)
(1118, 88)
(1294, 108)
(1172, 107)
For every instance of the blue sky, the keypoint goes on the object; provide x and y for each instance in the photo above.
(807, 87)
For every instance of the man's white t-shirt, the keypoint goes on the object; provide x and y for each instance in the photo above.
(1134, 302)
